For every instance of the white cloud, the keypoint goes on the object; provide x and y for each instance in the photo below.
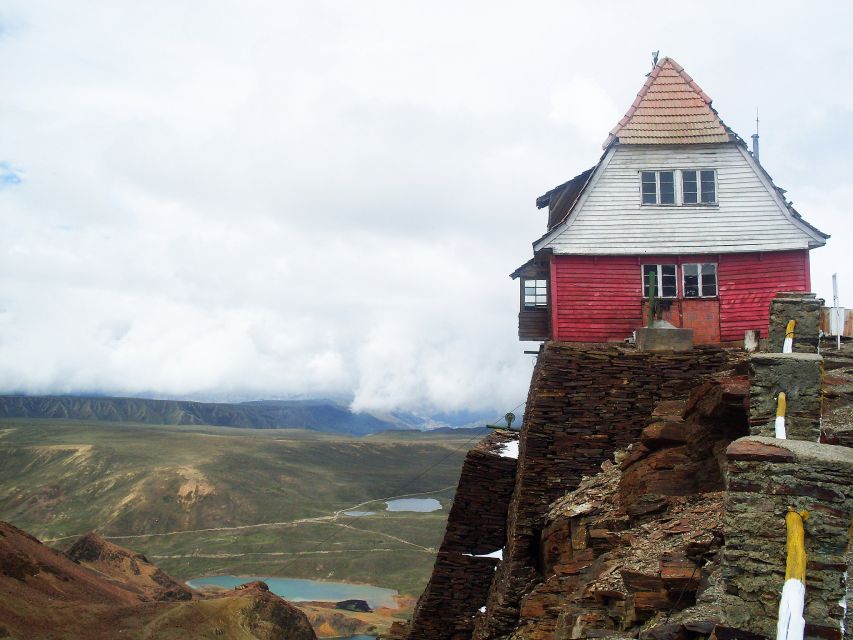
(260, 199)
(585, 105)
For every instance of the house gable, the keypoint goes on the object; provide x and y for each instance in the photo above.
(610, 219)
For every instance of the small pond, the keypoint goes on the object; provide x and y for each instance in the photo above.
(423, 505)
(301, 590)
(358, 514)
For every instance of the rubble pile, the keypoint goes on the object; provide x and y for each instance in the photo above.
(635, 547)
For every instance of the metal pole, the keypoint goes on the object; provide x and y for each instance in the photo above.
(839, 322)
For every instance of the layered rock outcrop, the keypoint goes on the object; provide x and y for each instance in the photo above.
(476, 527)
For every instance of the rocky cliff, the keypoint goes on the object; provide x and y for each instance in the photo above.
(642, 507)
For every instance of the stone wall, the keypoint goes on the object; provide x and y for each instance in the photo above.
(584, 403)
(476, 525)
(802, 307)
(799, 375)
(766, 477)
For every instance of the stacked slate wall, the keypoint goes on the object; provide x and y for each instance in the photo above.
(476, 526)
(584, 403)
(805, 309)
(799, 376)
(766, 477)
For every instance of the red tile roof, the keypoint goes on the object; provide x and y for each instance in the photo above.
(670, 109)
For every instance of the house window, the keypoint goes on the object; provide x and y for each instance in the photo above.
(700, 280)
(535, 294)
(658, 187)
(665, 281)
(699, 187)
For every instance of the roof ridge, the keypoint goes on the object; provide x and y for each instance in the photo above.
(653, 133)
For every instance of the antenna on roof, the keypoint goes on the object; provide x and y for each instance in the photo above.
(755, 139)
(655, 55)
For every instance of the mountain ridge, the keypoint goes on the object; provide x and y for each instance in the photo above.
(317, 415)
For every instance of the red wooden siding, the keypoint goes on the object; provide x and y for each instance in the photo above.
(600, 299)
(595, 299)
(749, 281)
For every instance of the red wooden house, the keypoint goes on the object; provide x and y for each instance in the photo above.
(676, 193)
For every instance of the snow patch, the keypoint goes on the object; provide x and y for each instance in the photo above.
(509, 450)
(499, 554)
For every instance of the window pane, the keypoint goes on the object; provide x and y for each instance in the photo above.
(709, 279)
(691, 280)
(667, 187)
(649, 188)
(668, 286)
(708, 188)
(647, 269)
(689, 190)
(540, 283)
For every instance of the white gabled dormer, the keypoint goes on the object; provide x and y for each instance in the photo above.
(675, 180)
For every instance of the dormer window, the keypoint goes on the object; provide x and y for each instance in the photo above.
(682, 187)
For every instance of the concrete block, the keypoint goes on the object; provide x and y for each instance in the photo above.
(664, 339)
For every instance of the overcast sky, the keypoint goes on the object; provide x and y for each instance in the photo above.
(247, 199)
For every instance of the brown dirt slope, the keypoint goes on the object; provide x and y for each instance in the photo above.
(45, 595)
(131, 570)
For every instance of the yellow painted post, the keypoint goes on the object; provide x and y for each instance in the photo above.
(788, 345)
(791, 624)
(795, 567)
(781, 408)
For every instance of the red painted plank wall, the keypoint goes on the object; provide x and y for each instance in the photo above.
(595, 301)
(599, 300)
(749, 281)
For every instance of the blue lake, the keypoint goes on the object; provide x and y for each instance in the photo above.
(423, 505)
(301, 590)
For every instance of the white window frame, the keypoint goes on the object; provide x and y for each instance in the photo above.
(701, 294)
(657, 202)
(678, 188)
(699, 202)
(658, 280)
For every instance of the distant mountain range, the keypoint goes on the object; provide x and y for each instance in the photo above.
(318, 415)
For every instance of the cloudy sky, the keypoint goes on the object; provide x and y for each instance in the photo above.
(248, 199)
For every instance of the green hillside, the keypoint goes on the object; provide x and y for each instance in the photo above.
(201, 500)
(320, 415)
